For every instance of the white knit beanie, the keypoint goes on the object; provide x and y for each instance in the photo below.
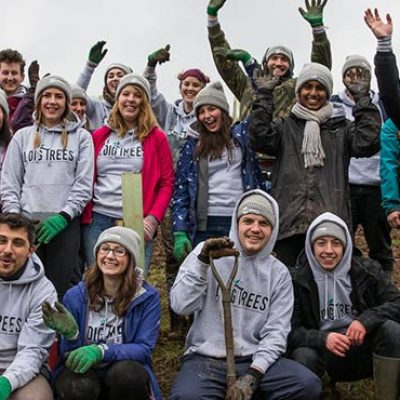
(212, 95)
(315, 72)
(329, 228)
(137, 80)
(259, 205)
(53, 81)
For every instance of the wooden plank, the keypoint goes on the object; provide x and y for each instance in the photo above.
(132, 206)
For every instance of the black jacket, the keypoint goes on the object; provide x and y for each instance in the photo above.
(375, 298)
(303, 194)
(387, 76)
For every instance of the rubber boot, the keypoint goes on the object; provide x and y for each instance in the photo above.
(386, 377)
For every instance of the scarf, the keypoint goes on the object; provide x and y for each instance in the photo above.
(311, 148)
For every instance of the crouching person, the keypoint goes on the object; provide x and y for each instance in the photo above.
(346, 314)
(261, 303)
(109, 326)
(24, 339)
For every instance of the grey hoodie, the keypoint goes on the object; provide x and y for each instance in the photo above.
(334, 287)
(46, 180)
(173, 119)
(24, 339)
(363, 170)
(262, 301)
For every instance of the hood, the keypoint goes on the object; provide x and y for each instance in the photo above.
(34, 271)
(233, 234)
(191, 131)
(179, 110)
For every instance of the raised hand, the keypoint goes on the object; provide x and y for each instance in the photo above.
(33, 74)
(379, 28)
(59, 319)
(214, 6)
(96, 53)
(314, 12)
(159, 56)
(264, 81)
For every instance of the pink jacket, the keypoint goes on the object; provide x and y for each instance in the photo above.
(157, 172)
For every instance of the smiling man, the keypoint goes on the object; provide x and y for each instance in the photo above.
(24, 338)
(346, 314)
(261, 303)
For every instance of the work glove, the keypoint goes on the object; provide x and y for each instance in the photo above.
(214, 6)
(5, 388)
(33, 75)
(264, 81)
(82, 359)
(150, 225)
(314, 13)
(51, 227)
(221, 247)
(59, 319)
(243, 388)
(96, 53)
(359, 88)
(233, 54)
(182, 245)
(159, 56)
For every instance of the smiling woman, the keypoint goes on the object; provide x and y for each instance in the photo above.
(130, 142)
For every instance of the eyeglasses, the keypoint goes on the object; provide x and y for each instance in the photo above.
(117, 251)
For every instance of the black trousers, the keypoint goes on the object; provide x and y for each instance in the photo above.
(366, 210)
(126, 380)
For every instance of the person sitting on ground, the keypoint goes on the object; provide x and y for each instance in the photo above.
(347, 313)
(97, 111)
(261, 308)
(25, 339)
(109, 325)
(312, 146)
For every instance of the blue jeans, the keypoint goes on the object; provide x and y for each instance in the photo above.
(216, 227)
(90, 234)
(205, 378)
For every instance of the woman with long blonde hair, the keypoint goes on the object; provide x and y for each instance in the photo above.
(47, 175)
(130, 142)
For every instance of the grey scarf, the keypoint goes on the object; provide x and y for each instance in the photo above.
(311, 148)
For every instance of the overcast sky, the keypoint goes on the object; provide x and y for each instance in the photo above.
(60, 33)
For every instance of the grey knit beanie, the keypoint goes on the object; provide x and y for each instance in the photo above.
(78, 93)
(122, 67)
(126, 237)
(279, 50)
(355, 60)
(212, 95)
(315, 72)
(4, 103)
(137, 80)
(259, 205)
(53, 81)
(329, 228)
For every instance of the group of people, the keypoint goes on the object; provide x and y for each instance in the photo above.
(305, 304)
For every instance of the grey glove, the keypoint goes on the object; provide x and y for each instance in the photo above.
(264, 81)
(243, 388)
(359, 89)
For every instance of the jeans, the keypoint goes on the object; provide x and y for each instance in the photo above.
(91, 233)
(216, 227)
(204, 377)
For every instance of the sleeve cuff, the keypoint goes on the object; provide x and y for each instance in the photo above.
(384, 45)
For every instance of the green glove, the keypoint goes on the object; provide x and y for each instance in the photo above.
(51, 227)
(238, 55)
(314, 12)
(82, 359)
(96, 53)
(159, 56)
(5, 388)
(214, 6)
(182, 245)
(59, 319)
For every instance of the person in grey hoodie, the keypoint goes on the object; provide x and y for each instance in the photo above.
(98, 110)
(346, 314)
(364, 179)
(47, 174)
(261, 303)
(25, 340)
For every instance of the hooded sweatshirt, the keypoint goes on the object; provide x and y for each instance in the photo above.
(24, 339)
(48, 179)
(261, 300)
(363, 170)
(334, 287)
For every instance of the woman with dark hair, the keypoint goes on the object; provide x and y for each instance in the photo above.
(47, 174)
(109, 326)
(130, 142)
(216, 166)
